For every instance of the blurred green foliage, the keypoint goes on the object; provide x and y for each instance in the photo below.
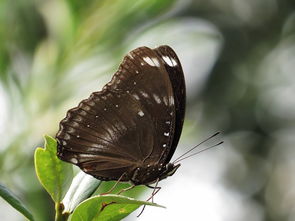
(55, 53)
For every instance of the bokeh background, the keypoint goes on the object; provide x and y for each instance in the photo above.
(239, 62)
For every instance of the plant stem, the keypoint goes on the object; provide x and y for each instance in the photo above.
(59, 215)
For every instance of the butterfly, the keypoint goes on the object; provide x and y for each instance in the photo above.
(129, 130)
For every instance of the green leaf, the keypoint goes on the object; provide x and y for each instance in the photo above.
(15, 202)
(54, 174)
(107, 208)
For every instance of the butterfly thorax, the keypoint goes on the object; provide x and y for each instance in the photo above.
(151, 173)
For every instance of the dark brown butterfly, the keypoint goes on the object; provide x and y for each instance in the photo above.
(129, 130)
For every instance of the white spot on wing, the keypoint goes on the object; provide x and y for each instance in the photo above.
(74, 160)
(149, 61)
(171, 100)
(140, 113)
(67, 137)
(135, 96)
(152, 61)
(170, 61)
(156, 62)
(166, 134)
(130, 55)
(165, 101)
(144, 94)
(87, 108)
(157, 99)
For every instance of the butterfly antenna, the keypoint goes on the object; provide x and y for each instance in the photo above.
(200, 151)
(214, 135)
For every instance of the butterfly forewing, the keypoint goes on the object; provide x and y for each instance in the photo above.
(174, 69)
(143, 75)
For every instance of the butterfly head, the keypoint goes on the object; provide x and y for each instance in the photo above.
(170, 169)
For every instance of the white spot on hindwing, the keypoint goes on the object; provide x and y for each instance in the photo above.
(140, 113)
(67, 137)
(73, 160)
(135, 96)
(130, 55)
(166, 134)
(144, 94)
(170, 61)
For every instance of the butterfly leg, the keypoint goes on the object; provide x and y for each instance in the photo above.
(114, 186)
(156, 189)
(126, 189)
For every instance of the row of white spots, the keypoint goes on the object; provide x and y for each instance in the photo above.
(170, 61)
(152, 61)
(140, 113)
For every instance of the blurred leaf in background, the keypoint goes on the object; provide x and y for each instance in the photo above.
(238, 58)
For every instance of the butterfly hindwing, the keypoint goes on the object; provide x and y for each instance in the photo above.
(129, 123)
